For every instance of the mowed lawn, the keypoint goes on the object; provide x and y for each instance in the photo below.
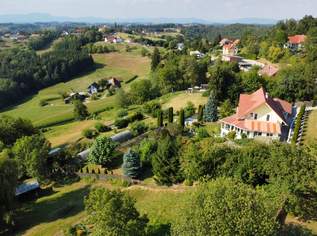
(311, 129)
(180, 100)
(120, 65)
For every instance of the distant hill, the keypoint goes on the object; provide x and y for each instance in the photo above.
(42, 17)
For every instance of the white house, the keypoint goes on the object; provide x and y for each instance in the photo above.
(197, 54)
(259, 115)
(295, 42)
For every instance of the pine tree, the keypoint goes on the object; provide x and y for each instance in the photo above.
(165, 162)
(170, 115)
(131, 164)
(80, 110)
(211, 110)
(160, 119)
(156, 58)
(182, 118)
(200, 113)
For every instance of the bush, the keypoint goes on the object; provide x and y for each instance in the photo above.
(90, 133)
(189, 109)
(152, 108)
(136, 116)
(122, 113)
(202, 133)
(102, 128)
(121, 123)
(231, 135)
(138, 128)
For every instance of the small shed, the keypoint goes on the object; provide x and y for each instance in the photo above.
(93, 88)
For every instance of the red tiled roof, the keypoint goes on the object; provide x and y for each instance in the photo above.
(269, 70)
(297, 39)
(253, 125)
(249, 102)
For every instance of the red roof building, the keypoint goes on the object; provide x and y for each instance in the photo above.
(295, 42)
(268, 70)
(259, 115)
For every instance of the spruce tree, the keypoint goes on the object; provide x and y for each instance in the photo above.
(160, 119)
(182, 118)
(131, 164)
(156, 58)
(200, 113)
(165, 162)
(211, 110)
(170, 115)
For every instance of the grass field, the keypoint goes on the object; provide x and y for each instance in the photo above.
(180, 100)
(311, 129)
(50, 215)
(120, 65)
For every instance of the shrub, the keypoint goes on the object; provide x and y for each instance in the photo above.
(136, 116)
(121, 123)
(102, 128)
(202, 133)
(138, 128)
(189, 109)
(152, 108)
(131, 164)
(122, 113)
(231, 135)
(90, 133)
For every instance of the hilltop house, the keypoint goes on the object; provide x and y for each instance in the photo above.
(93, 88)
(259, 115)
(295, 42)
(114, 83)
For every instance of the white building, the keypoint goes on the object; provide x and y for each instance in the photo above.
(259, 115)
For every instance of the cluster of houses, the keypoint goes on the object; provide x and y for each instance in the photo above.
(16, 36)
(116, 39)
(112, 83)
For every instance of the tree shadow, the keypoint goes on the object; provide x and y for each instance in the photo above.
(49, 210)
(146, 173)
(159, 230)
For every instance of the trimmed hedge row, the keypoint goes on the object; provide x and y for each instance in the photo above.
(131, 79)
(124, 122)
(298, 124)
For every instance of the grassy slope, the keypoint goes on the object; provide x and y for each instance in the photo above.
(50, 215)
(120, 65)
(311, 130)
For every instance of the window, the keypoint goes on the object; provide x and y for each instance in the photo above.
(255, 116)
(251, 115)
(268, 118)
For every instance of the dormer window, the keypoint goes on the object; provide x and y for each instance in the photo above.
(255, 116)
(251, 115)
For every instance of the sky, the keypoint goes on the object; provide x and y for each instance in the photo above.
(202, 9)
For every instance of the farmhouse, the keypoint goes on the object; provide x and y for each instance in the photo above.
(115, 83)
(259, 115)
(93, 88)
(230, 48)
(295, 42)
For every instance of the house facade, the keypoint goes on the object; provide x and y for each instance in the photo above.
(259, 115)
(295, 42)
